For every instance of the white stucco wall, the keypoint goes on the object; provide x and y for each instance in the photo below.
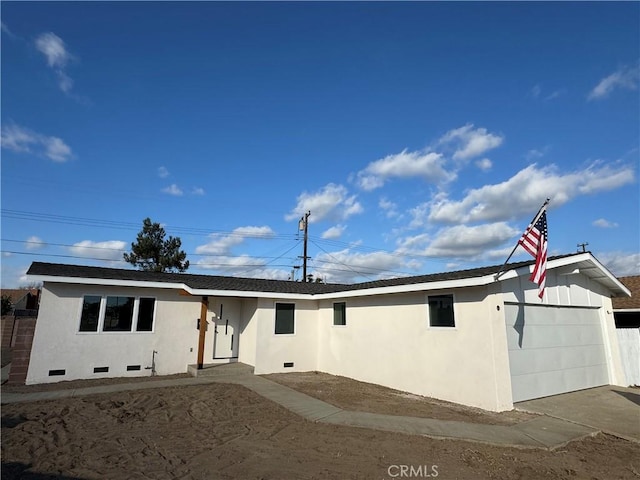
(58, 344)
(387, 340)
(301, 347)
(612, 346)
(248, 332)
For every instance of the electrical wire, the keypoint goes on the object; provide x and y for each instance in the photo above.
(204, 232)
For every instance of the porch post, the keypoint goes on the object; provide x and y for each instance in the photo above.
(203, 330)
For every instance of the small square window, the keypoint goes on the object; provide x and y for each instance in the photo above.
(285, 318)
(90, 313)
(340, 313)
(441, 311)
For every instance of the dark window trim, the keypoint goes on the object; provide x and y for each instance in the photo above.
(293, 319)
(124, 305)
(441, 324)
(82, 327)
(343, 307)
(153, 314)
(102, 313)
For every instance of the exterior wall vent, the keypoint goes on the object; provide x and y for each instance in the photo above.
(56, 373)
(288, 364)
(131, 368)
(100, 369)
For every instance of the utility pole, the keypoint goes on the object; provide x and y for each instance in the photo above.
(304, 225)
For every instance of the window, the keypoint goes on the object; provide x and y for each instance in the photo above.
(284, 318)
(118, 314)
(441, 311)
(90, 313)
(146, 308)
(340, 313)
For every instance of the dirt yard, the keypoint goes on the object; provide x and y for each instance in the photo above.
(225, 431)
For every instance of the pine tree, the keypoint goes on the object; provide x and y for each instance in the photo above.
(153, 253)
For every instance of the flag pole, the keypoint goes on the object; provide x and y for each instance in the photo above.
(533, 222)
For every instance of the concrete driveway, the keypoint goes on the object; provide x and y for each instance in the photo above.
(611, 409)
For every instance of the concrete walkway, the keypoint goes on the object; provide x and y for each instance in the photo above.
(611, 409)
(541, 432)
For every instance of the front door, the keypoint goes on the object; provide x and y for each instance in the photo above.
(226, 331)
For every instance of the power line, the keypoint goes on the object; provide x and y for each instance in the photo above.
(94, 222)
(66, 245)
(103, 259)
(100, 223)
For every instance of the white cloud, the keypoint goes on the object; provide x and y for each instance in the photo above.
(56, 149)
(535, 154)
(34, 243)
(334, 232)
(470, 142)
(523, 193)
(485, 164)
(462, 143)
(111, 250)
(6, 30)
(23, 140)
(414, 243)
(347, 267)
(230, 263)
(624, 78)
(555, 94)
(602, 223)
(460, 240)
(174, 190)
(536, 91)
(163, 172)
(65, 82)
(53, 48)
(389, 207)
(221, 244)
(14, 276)
(57, 55)
(621, 264)
(243, 265)
(197, 191)
(427, 165)
(331, 202)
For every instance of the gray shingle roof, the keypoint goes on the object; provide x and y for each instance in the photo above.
(213, 282)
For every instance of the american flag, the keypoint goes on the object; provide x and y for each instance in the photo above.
(534, 241)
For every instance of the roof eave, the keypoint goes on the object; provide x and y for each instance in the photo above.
(411, 288)
(171, 286)
(108, 282)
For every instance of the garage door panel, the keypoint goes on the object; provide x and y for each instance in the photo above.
(526, 387)
(554, 350)
(524, 362)
(543, 336)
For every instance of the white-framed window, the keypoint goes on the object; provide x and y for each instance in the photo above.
(340, 314)
(113, 313)
(285, 318)
(441, 312)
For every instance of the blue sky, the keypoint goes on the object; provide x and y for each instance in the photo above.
(423, 137)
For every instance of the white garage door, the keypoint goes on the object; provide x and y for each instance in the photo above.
(554, 350)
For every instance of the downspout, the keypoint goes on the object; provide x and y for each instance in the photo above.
(202, 326)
